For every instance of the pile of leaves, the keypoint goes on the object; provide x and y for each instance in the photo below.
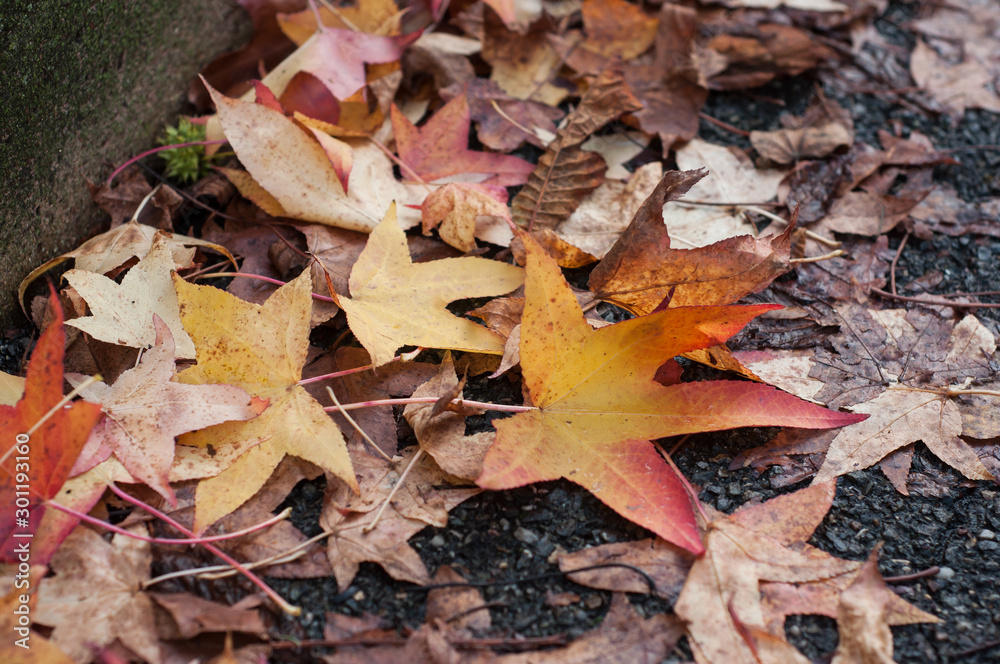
(360, 258)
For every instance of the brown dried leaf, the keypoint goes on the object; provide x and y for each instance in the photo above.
(665, 563)
(193, 615)
(641, 269)
(763, 542)
(83, 618)
(420, 502)
(565, 173)
(443, 435)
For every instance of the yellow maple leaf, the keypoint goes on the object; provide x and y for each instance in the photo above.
(395, 302)
(260, 348)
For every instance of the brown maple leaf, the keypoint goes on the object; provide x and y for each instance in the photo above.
(419, 503)
(118, 609)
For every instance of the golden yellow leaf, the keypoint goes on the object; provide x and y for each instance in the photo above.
(395, 302)
(260, 348)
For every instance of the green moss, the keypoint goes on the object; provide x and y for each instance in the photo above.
(83, 86)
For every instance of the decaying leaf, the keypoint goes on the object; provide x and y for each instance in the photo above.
(84, 616)
(395, 302)
(565, 173)
(642, 268)
(442, 435)
(417, 504)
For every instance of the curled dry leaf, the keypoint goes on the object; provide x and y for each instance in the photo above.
(642, 268)
(442, 435)
(395, 302)
(463, 212)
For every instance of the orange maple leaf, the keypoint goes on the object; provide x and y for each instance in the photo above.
(441, 147)
(598, 404)
(36, 461)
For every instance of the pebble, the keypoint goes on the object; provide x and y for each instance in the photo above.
(522, 534)
(946, 574)
(987, 534)
(988, 545)
(437, 541)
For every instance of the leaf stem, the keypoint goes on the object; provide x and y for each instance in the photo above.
(816, 259)
(395, 488)
(256, 580)
(168, 540)
(402, 357)
(458, 402)
(357, 427)
(154, 151)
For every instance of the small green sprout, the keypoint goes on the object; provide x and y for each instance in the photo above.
(185, 164)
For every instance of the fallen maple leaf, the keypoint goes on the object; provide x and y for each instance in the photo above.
(442, 435)
(732, 178)
(665, 564)
(441, 148)
(598, 404)
(721, 600)
(84, 616)
(144, 410)
(419, 503)
(122, 313)
(395, 302)
(41, 457)
(565, 174)
(641, 269)
(901, 367)
(261, 349)
(107, 251)
(289, 163)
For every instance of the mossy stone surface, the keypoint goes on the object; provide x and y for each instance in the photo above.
(84, 85)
